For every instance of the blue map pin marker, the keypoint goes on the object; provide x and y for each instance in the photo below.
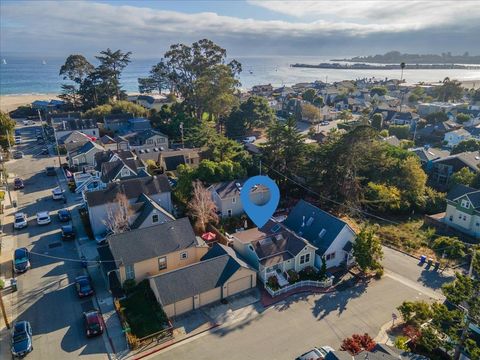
(260, 214)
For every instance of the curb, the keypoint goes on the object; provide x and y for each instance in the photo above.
(331, 289)
(401, 251)
(141, 356)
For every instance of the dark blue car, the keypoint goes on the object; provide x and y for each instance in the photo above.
(21, 260)
(83, 286)
(64, 215)
(21, 339)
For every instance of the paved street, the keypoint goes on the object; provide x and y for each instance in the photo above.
(46, 296)
(292, 327)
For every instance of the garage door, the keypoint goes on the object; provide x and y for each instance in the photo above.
(210, 296)
(183, 306)
(239, 285)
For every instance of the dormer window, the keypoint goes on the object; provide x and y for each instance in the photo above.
(465, 204)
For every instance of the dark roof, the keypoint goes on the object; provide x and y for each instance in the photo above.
(195, 279)
(338, 355)
(459, 190)
(84, 149)
(145, 209)
(153, 241)
(309, 222)
(457, 161)
(139, 138)
(74, 137)
(74, 124)
(218, 250)
(111, 169)
(132, 188)
(105, 139)
(429, 154)
(172, 162)
(102, 157)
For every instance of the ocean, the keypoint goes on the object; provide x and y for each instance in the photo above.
(21, 75)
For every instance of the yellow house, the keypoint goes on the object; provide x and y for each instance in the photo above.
(145, 252)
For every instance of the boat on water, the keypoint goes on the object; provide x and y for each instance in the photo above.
(44, 62)
(4, 62)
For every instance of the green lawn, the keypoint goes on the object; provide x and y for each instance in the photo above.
(144, 315)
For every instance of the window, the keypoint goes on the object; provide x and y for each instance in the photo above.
(149, 141)
(162, 263)
(460, 216)
(330, 256)
(451, 218)
(183, 255)
(229, 212)
(234, 200)
(464, 218)
(155, 218)
(129, 272)
(465, 204)
(477, 224)
(304, 258)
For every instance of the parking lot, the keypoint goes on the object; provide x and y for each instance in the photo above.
(46, 296)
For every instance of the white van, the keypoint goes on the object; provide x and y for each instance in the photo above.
(249, 140)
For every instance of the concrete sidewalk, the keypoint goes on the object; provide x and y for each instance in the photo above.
(7, 246)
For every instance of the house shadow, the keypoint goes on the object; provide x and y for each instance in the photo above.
(434, 279)
(337, 301)
(39, 181)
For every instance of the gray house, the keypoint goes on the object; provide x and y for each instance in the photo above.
(83, 156)
(100, 202)
(226, 196)
(147, 139)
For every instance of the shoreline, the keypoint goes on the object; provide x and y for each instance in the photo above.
(9, 102)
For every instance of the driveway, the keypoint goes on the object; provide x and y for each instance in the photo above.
(46, 296)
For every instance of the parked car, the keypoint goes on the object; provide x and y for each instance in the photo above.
(43, 218)
(249, 140)
(18, 184)
(44, 151)
(57, 194)
(18, 155)
(40, 140)
(21, 260)
(50, 171)
(20, 220)
(83, 286)
(93, 323)
(18, 139)
(64, 215)
(27, 122)
(68, 232)
(21, 339)
(316, 353)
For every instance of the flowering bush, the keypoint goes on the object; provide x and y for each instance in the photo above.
(272, 283)
(357, 343)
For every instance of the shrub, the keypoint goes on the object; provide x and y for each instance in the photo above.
(272, 283)
(379, 273)
(293, 276)
(357, 343)
(129, 285)
(308, 273)
(450, 246)
(401, 343)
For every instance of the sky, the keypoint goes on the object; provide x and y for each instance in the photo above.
(245, 28)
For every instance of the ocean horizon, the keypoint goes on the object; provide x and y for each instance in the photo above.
(36, 76)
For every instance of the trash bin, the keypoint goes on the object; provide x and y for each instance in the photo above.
(14, 285)
(14, 203)
(430, 262)
(437, 265)
(423, 258)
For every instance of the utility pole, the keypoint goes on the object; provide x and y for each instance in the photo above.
(474, 253)
(181, 132)
(260, 167)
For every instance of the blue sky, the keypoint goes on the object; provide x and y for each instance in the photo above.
(246, 28)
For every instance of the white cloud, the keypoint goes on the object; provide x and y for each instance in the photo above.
(79, 25)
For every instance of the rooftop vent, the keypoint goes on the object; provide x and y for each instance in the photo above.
(322, 233)
(309, 221)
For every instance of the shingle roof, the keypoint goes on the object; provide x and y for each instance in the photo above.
(309, 222)
(172, 162)
(105, 139)
(132, 188)
(84, 149)
(459, 190)
(470, 159)
(219, 250)
(194, 279)
(145, 209)
(111, 169)
(153, 241)
(75, 124)
(228, 189)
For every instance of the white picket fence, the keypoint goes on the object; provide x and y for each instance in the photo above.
(305, 283)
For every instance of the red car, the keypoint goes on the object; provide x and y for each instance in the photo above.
(93, 323)
(18, 184)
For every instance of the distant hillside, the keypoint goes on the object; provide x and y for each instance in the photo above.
(398, 57)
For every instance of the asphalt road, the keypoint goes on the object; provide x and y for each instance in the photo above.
(46, 296)
(293, 327)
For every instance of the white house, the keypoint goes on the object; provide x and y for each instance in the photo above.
(273, 250)
(463, 210)
(453, 138)
(332, 237)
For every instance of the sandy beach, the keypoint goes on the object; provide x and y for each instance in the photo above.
(11, 102)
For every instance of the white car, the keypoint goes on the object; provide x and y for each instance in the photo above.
(27, 122)
(20, 220)
(249, 140)
(316, 353)
(57, 194)
(43, 218)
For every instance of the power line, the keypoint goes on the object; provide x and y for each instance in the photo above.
(348, 206)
